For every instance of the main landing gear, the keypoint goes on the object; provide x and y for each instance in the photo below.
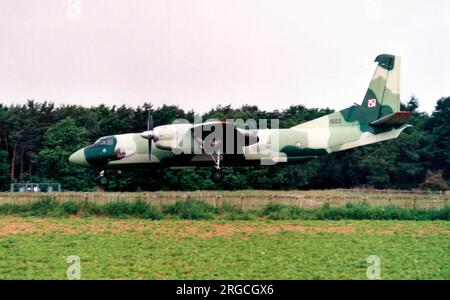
(217, 173)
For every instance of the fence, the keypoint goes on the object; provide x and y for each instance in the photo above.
(252, 199)
(23, 187)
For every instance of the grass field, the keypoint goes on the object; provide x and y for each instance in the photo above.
(37, 248)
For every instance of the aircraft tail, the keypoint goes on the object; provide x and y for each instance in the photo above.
(381, 101)
(378, 118)
(383, 94)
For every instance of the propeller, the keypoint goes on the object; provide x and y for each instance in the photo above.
(149, 134)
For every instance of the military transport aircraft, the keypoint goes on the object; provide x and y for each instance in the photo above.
(377, 119)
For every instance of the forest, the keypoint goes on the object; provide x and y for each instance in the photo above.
(37, 138)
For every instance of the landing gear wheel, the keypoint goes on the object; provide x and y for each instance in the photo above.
(103, 180)
(217, 175)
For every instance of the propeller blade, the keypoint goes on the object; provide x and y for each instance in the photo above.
(150, 128)
(149, 121)
(150, 150)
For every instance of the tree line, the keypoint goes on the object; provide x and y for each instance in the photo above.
(37, 138)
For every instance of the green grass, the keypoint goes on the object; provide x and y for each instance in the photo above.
(37, 248)
(199, 210)
(352, 211)
(190, 210)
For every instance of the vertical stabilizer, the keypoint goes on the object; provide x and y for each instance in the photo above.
(383, 95)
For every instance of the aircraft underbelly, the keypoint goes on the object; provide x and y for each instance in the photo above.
(207, 161)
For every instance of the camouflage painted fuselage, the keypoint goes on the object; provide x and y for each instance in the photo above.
(376, 119)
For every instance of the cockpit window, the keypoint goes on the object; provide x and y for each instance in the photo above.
(104, 142)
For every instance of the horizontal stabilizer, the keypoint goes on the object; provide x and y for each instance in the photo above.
(394, 119)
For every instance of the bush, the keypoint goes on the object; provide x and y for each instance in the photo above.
(192, 210)
(70, 208)
(285, 212)
(46, 207)
(434, 180)
(351, 211)
(145, 211)
(121, 209)
(92, 208)
(52, 208)
(117, 209)
(42, 208)
(197, 210)
(8, 208)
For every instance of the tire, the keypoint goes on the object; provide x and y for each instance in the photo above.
(217, 176)
(103, 180)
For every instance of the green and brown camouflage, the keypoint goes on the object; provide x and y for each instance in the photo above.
(377, 119)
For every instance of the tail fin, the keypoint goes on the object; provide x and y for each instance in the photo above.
(377, 119)
(383, 95)
(380, 107)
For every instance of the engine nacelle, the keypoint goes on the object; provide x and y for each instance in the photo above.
(169, 137)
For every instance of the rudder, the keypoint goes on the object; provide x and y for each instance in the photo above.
(383, 95)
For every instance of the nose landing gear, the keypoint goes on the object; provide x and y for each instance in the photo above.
(217, 173)
(102, 178)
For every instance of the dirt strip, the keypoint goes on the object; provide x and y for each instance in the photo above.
(203, 229)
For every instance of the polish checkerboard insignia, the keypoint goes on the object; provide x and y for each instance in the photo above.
(372, 103)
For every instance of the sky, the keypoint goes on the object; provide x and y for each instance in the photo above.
(198, 54)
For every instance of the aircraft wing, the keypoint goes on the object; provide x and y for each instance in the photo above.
(226, 136)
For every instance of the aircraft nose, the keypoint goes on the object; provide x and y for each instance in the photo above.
(78, 158)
